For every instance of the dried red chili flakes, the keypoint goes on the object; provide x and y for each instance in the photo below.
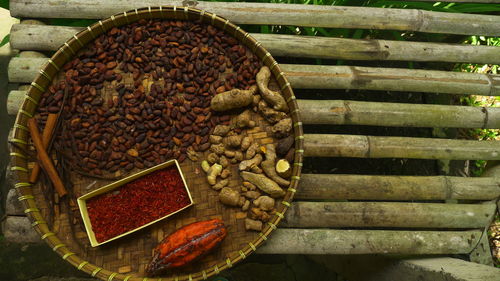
(137, 203)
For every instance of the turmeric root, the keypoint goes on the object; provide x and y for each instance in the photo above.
(282, 128)
(264, 183)
(268, 166)
(213, 172)
(248, 185)
(232, 99)
(252, 150)
(243, 120)
(271, 115)
(272, 97)
(283, 168)
(258, 214)
(246, 165)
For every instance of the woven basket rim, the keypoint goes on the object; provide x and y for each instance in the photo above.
(64, 54)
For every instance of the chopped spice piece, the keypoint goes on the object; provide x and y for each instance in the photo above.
(137, 203)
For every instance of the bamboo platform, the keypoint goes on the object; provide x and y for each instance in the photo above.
(360, 213)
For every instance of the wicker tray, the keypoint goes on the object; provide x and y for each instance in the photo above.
(125, 259)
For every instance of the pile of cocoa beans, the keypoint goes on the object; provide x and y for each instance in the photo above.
(140, 94)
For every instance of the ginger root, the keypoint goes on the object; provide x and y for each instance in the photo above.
(239, 156)
(253, 224)
(265, 203)
(215, 139)
(225, 173)
(213, 172)
(252, 194)
(245, 143)
(264, 183)
(229, 153)
(268, 166)
(232, 99)
(212, 158)
(272, 97)
(221, 130)
(205, 166)
(217, 148)
(233, 141)
(221, 184)
(282, 128)
(246, 165)
(245, 206)
(229, 196)
(243, 120)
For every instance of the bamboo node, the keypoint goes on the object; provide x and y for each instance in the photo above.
(17, 168)
(95, 270)
(81, 265)
(18, 155)
(112, 275)
(40, 88)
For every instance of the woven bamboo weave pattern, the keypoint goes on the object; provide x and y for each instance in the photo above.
(126, 258)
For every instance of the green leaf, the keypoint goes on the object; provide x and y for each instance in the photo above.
(5, 40)
(4, 4)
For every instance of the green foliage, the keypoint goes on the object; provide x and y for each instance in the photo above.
(4, 4)
(5, 40)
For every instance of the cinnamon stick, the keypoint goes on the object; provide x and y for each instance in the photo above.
(44, 158)
(46, 136)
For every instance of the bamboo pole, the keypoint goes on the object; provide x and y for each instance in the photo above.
(387, 188)
(14, 101)
(390, 79)
(346, 112)
(349, 242)
(50, 38)
(388, 214)
(329, 145)
(343, 77)
(24, 70)
(339, 112)
(278, 14)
